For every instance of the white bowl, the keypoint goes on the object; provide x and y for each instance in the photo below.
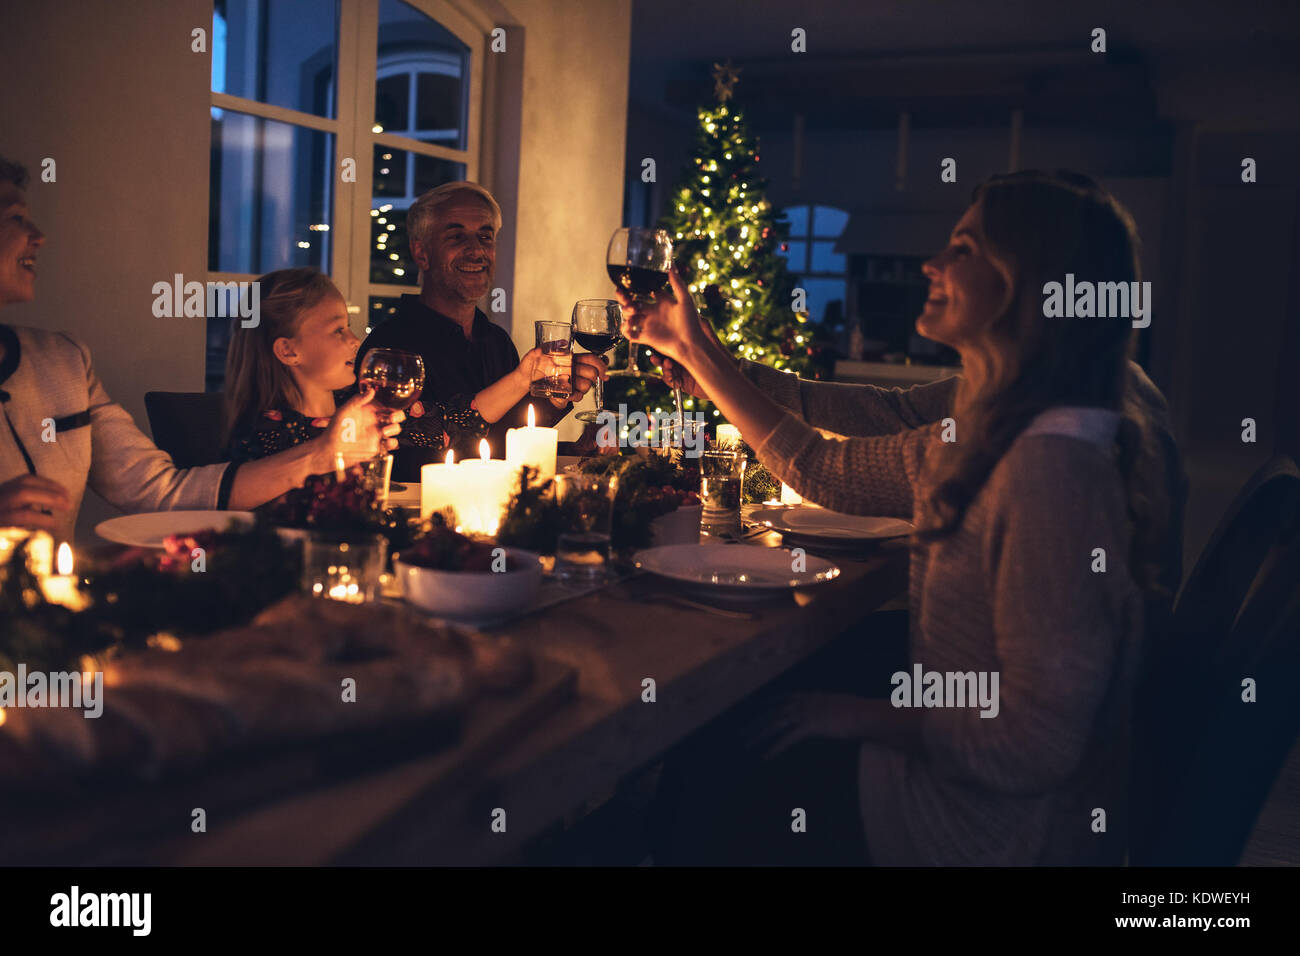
(473, 594)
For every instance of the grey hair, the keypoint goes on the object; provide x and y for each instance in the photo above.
(424, 211)
(11, 172)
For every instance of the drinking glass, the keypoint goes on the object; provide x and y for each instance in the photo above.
(396, 377)
(555, 340)
(722, 475)
(587, 506)
(637, 261)
(596, 324)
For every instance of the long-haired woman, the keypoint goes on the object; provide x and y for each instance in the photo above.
(1038, 531)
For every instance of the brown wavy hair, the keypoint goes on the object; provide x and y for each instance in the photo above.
(256, 380)
(1040, 225)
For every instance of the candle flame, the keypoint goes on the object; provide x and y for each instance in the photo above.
(451, 457)
(2, 716)
(484, 449)
(64, 561)
(532, 417)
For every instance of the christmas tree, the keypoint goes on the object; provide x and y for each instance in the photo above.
(726, 243)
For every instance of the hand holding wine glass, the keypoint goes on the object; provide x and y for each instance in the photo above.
(359, 431)
(637, 262)
(672, 327)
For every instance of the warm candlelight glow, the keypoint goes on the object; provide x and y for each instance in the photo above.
(534, 447)
(484, 450)
(62, 588)
(451, 457)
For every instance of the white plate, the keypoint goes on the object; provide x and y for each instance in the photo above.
(151, 529)
(733, 568)
(818, 524)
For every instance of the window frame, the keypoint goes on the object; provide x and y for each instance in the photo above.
(356, 75)
(812, 237)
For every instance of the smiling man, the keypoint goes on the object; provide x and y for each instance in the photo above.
(453, 232)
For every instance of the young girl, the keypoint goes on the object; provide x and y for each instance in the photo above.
(284, 375)
(1036, 531)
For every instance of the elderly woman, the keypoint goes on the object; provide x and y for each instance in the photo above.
(1043, 467)
(61, 432)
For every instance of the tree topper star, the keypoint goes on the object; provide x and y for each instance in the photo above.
(725, 77)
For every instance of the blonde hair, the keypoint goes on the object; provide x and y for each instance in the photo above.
(422, 215)
(256, 380)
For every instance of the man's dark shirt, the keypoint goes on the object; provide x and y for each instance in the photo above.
(454, 365)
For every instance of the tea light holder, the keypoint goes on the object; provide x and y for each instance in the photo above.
(343, 569)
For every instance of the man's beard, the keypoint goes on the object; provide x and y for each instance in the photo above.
(468, 288)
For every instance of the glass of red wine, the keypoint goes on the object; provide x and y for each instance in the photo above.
(637, 261)
(396, 378)
(596, 324)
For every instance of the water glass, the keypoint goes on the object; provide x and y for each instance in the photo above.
(722, 475)
(555, 340)
(587, 505)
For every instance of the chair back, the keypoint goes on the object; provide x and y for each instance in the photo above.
(187, 425)
(1230, 606)
(1208, 806)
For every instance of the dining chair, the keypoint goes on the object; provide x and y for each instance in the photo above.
(187, 425)
(1208, 638)
(1207, 808)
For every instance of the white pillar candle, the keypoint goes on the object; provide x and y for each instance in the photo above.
(789, 496)
(486, 485)
(62, 588)
(533, 446)
(728, 435)
(439, 486)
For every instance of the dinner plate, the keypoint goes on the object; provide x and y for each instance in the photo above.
(735, 570)
(818, 524)
(150, 530)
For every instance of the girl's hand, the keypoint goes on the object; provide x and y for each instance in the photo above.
(672, 327)
(357, 432)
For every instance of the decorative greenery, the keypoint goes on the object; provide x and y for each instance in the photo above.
(44, 636)
(760, 484)
(650, 484)
(240, 573)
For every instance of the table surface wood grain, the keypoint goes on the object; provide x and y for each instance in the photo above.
(616, 639)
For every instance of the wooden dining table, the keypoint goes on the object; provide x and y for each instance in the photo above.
(440, 810)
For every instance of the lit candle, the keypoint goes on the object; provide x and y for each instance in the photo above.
(728, 435)
(533, 446)
(62, 588)
(438, 486)
(485, 487)
(789, 496)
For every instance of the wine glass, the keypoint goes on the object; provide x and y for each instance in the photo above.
(596, 324)
(637, 261)
(396, 378)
